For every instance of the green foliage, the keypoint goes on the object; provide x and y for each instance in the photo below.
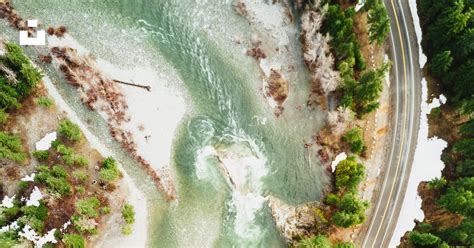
(423, 239)
(467, 130)
(80, 176)
(3, 116)
(41, 155)
(7, 240)
(84, 225)
(448, 42)
(18, 77)
(74, 241)
(367, 92)
(332, 199)
(88, 207)
(35, 223)
(127, 230)
(80, 190)
(109, 171)
(40, 212)
(349, 173)
(69, 157)
(345, 245)
(11, 147)
(106, 210)
(355, 140)
(459, 197)
(436, 113)
(339, 25)
(55, 179)
(69, 130)
(438, 183)
(44, 102)
(379, 24)
(465, 147)
(351, 211)
(128, 214)
(318, 241)
(23, 185)
(441, 63)
(465, 168)
(31, 74)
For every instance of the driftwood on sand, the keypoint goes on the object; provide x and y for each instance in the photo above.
(101, 92)
(146, 87)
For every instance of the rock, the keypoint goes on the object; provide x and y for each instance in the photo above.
(240, 8)
(295, 222)
(277, 87)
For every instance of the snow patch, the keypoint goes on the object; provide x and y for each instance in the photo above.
(45, 143)
(34, 198)
(28, 233)
(340, 157)
(426, 166)
(29, 178)
(7, 202)
(13, 226)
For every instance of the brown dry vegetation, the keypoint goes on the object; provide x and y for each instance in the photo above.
(99, 92)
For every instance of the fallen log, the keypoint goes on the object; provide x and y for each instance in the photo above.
(147, 87)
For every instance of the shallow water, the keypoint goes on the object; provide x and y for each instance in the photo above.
(227, 115)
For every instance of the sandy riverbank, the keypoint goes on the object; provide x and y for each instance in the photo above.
(154, 115)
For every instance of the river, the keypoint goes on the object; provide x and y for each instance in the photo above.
(227, 115)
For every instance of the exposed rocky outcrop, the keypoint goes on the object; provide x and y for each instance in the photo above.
(277, 89)
(295, 222)
(434, 214)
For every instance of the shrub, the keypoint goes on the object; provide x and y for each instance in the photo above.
(81, 190)
(437, 183)
(84, 224)
(355, 140)
(35, 223)
(349, 173)
(3, 116)
(423, 239)
(59, 172)
(40, 212)
(435, 112)
(128, 214)
(351, 211)
(81, 161)
(11, 147)
(345, 245)
(127, 230)
(318, 241)
(41, 155)
(106, 210)
(23, 185)
(74, 241)
(332, 199)
(69, 130)
(88, 207)
(109, 171)
(80, 176)
(55, 180)
(44, 102)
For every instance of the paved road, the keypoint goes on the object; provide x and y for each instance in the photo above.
(406, 97)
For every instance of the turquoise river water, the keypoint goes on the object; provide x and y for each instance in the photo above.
(225, 109)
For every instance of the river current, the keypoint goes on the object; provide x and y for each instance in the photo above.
(227, 116)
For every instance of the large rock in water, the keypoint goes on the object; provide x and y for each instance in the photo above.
(295, 222)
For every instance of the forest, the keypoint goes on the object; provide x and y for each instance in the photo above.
(448, 42)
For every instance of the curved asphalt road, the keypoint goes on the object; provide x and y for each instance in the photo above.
(405, 101)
